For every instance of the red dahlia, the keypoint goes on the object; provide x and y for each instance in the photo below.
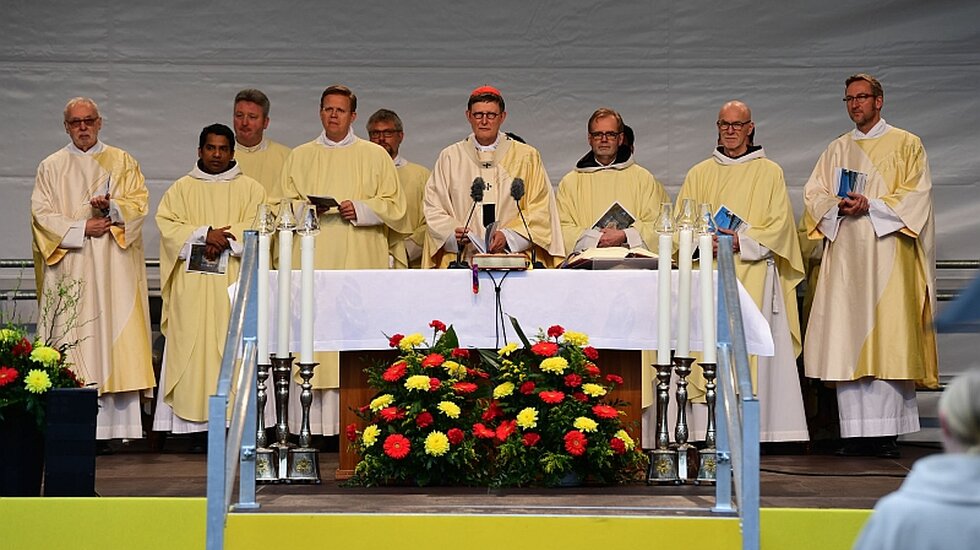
(573, 380)
(545, 349)
(614, 378)
(390, 414)
(527, 388)
(397, 446)
(433, 360)
(438, 325)
(464, 387)
(605, 411)
(575, 443)
(554, 331)
(455, 436)
(351, 432)
(506, 428)
(618, 445)
(395, 372)
(552, 397)
(591, 353)
(424, 419)
(395, 340)
(531, 439)
(461, 353)
(483, 432)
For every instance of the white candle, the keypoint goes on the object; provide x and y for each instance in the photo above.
(262, 332)
(285, 286)
(707, 298)
(663, 301)
(306, 299)
(685, 242)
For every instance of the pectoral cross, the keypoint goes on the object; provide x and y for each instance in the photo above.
(487, 185)
(487, 165)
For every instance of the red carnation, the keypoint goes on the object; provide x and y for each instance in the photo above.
(552, 397)
(438, 325)
(7, 375)
(605, 411)
(424, 419)
(592, 370)
(390, 414)
(614, 378)
(591, 353)
(545, 349)
(395, 372)
(22, 348)
(506, 428)
(433, 360)
(531, 439)
(455, 436)
(474, 373)
(579, 396)
(573, 380)
(493, 411)
(395, 340)
(351, 432)
(464, 387)
(434, 384)
(483, 432)
(575, 443)
(554, 331)
(527, 388)
(461, 353)
(618, 445)
(397, 446)
(364, 408)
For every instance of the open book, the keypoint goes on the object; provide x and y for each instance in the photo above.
(323, 202)
(482, 245)
(726, 219)
(612, 257)
(616, 217)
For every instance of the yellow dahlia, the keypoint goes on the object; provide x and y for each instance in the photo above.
(527, 418)
(593, 390)
(454, 369)
(417, 382)
(503, 390)
(381, 402)
(576, 338)
(507, 350)
(37, 381)
(45, 355)
(436, 444)
(370, 435)
(411, 341)
(449, 409)
(625, 437)
(556, 365)
(585, 424)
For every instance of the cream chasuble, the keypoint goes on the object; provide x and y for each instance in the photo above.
(753, 187)
(413, 177)
(873, 306)
(113, 333)
(196, 307)
(448, 200)
(263, 163)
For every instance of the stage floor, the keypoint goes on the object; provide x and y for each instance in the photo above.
(802, 480)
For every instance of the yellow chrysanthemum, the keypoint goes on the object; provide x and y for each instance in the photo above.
(9, 335)
(625, 437)
(411, 341)
(370, 435)
(507, 350)
(454, 369)
(503, 390)
(381, 402)
(593, 390)
(527, 418)
(585, 424)
(576, 338)
(555, 365)
(37, 381)
(436, 444)
(417, 382)
(449, 409)
(45, 355)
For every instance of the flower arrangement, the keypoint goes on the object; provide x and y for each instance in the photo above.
(417, 428)
(549, 418)
(30, 368)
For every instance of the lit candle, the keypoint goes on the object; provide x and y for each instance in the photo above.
(663, 301)
(262, 335)
(685, 242)
(306, 293)
(285, 284)
(705, 254)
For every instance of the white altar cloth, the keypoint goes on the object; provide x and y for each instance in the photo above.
(617, 309)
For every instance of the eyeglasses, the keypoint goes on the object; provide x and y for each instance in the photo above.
(385, 133)
(77, 122)
(737, 126)
(488, 116)
(598, 136)
(860, 98)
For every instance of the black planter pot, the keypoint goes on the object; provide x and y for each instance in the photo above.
(21, 455)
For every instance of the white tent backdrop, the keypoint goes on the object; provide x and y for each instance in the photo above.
(162, 70)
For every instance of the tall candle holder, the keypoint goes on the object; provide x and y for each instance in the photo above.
(282, 367)
(663, 460)
(708, 456)
(708, 462)
(265, 459)
(682, 367)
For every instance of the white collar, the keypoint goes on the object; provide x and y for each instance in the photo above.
(400, 161)
(486, 148)
(97, 148)
(227, 175)
(876, 131)
(725, 160)
(323, 140)
(260, 146)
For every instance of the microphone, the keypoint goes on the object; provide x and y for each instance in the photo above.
(517, 192)
(476, 193)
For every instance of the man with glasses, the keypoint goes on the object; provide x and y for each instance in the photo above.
(257, 156)
(869, 202)
(768, 263)
(385, 128)
(489, 154)
(607, 175)
(87, 212)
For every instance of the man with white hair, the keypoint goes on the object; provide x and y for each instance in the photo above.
(87, 212)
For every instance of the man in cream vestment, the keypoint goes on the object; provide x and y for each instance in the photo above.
(87, 212)
(257, 156)
(365, 232)
(207, 210)
(767, 262)
(498, 160)
(870, 327)
(384, 127)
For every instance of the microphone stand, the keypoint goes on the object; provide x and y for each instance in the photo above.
(459, 262)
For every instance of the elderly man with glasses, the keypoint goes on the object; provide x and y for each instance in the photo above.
(498, 161)
(739, 177)
(87, 212)
(869, 203)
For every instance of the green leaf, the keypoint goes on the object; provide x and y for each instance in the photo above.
(520, 332)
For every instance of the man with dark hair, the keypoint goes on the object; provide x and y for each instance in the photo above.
(740, 177)
(869, 202)
(202, 218)
(366, 231)
(257, 156)
(385, 128)
(87, 212)
(489, 154)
